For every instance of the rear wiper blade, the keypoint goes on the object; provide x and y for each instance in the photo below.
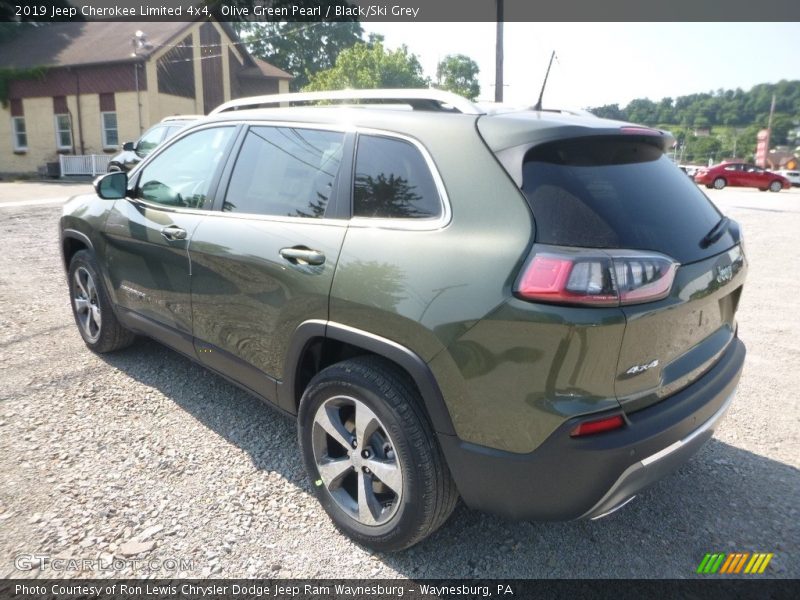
(716, 232)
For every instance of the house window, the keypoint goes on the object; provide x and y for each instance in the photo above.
(109, 127)
(63, 132)
(20, 134)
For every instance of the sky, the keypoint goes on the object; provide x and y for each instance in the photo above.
(609, 63)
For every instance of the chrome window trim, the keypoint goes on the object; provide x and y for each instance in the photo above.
(412, 224)
(427, 224)
(136, 172)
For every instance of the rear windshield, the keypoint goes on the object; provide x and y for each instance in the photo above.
(617, 193)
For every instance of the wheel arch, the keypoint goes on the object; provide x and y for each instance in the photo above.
(317, 344)
(73, 241)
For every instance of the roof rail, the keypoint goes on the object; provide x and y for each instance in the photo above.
(421, 99)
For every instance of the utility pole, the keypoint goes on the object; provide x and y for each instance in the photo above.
(498, 62)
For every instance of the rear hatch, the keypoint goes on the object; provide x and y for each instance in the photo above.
(620, 195)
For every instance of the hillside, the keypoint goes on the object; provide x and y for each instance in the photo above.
(733, 117)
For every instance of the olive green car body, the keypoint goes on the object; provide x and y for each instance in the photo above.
(498, 374)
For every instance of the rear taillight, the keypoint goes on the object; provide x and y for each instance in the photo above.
(595, 277)
(598, 426)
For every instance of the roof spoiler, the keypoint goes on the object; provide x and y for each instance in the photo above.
(418, 99)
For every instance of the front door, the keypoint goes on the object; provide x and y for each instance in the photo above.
(148, 235)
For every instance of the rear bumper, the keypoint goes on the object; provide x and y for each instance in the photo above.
(571, 478)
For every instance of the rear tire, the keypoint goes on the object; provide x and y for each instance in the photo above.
(775, 186)
(373, 459)
(719, 183)
(91, 307)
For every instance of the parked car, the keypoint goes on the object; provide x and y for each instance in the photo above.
(792, 176)
(690, 170)
(450, 301)
(742, 175)
(133, 152)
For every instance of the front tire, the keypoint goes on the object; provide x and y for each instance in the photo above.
(373, 459)
(775, 186)
(719, 183)
(92, 310)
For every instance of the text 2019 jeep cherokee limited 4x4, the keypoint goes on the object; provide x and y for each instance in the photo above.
(532, 310)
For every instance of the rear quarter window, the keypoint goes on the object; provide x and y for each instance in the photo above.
(616, 193)
(393, 181)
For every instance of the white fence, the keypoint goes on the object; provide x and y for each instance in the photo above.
(88, 164)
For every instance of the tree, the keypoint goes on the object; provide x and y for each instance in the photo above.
(459, 74)
(609, 111)
(642, 110)
(301, 48)
(370, 65)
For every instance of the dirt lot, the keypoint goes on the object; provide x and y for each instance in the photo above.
(144, 454)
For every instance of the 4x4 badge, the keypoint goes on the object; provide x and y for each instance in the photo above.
(636, 369)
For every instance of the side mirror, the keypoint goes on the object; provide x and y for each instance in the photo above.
(112, 186)
(128, 146)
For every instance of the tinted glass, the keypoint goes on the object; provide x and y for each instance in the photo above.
(173, 129)
(617, 193)
(285, 171)
(393, 181)
(151, 138)
(181, 175)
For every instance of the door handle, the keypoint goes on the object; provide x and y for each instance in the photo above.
(173, 233)
(302, 255)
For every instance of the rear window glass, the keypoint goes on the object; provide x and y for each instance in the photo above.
(616, 193)
(393, 181)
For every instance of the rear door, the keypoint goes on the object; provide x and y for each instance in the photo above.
(263, 261)
(755, 177)
(623, 194)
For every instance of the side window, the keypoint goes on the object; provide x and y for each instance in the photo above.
(172, 130)
(181, 175)
(285, 172)
(393, 181)
(63, 132)
(151, 138)
(109, 130)
(20, 134)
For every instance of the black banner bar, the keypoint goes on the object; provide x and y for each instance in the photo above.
(386, 589)
(400, 10)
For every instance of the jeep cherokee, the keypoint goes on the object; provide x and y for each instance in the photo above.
(531, 310)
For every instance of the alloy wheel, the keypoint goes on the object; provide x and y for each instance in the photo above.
(356, 460)
(86, 301)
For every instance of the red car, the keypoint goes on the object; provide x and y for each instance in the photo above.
(741, 174)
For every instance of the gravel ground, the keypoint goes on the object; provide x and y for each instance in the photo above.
(142, 454)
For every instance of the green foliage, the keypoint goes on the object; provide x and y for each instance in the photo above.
(370, 65)
(733, 116)
(7, 75)
(301, 48)
(721, 107)
(458, 73)
(609, 111)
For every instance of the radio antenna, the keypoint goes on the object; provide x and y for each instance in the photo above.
(538, 105)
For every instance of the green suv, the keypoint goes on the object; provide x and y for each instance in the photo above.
(532, 310)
